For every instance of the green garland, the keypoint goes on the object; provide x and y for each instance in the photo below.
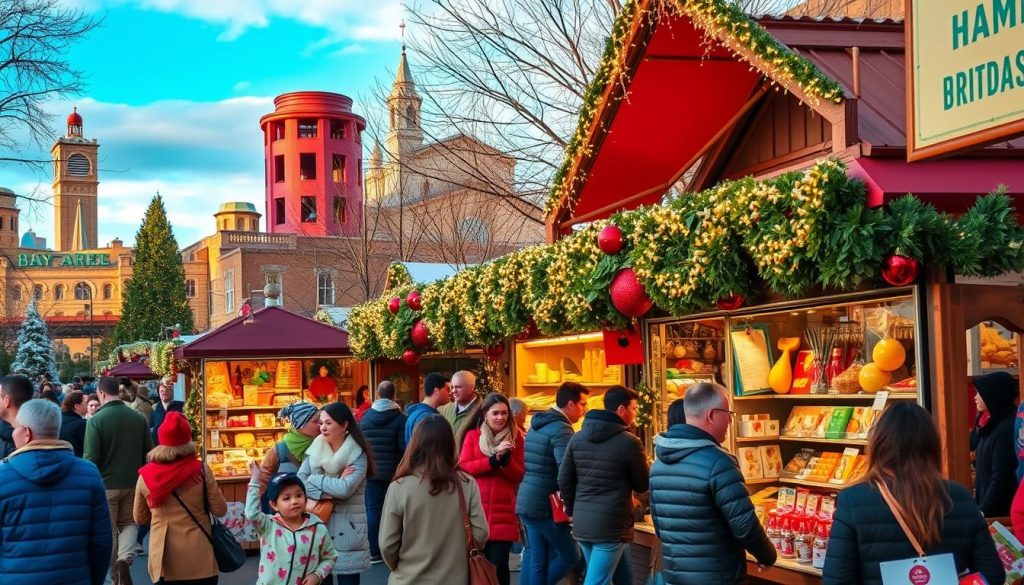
(645, 404)
(160, 354)
(787, 235)
(721, 21)
(397, 277)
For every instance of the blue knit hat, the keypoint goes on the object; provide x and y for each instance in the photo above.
(299, 413)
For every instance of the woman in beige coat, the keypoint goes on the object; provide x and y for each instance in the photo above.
(422, 538)
(173, 480)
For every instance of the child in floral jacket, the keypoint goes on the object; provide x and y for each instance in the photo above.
(295, 547)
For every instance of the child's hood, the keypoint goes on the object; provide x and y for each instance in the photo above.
(309, 524)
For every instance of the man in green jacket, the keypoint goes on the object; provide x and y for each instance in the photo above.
(461, 411)
(117, 441)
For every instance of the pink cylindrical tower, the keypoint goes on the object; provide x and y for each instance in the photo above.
(313, 146)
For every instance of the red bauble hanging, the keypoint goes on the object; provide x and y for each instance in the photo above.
(529, 331)
(628, 295)
(176, 334)
(414, 300)
(420, 335)
(610, 240)
(394, 304)
(494, 351)
(411, 357)
(730, 302)
(900, 270)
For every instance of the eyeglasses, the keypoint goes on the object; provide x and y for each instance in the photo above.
(731, 413)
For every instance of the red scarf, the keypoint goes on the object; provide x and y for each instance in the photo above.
(164, 478)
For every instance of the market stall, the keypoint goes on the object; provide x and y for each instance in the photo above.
(250, 368)
(132, 371)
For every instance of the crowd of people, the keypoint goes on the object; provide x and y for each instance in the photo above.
(347, 488)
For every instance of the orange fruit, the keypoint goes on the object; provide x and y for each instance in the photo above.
(888, 354)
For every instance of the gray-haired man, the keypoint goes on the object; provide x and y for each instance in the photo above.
(466, 402)
(51, 500)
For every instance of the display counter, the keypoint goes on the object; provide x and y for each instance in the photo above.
(542, 365)
(807, 380)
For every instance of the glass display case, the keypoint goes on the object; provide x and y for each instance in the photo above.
(806, 381)
(541, 365)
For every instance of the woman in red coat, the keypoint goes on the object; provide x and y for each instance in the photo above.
(492, 452)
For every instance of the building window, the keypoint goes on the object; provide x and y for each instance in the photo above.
(278, 279)
(224, 225)
(239, 224)
(78, 165)
(472, 229)
(14, 224)
(338, 168)
(309, 210)
(410, 117)
(307, 128)
(190, 288)
(340, 210)
(82, 292)
(108, 292)
(37, 292)
(279, 217)
(1, 223)
(307, 166)
(425, 190)
(279, 168)
(16, 293)
(277, 131)
(255, 225)
(338, 129)
(229, 291)
(58, 292)
(359, 171)
(324, 289)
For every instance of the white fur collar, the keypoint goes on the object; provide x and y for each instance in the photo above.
(333, 462)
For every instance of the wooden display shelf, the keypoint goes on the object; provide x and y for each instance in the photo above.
(210, 409)
(823, 440)
(789, 564)
(557, 384)
(222, 429)
(892, 396)
(817, 484)
(760, 480)
(231, 477)
(757, 439)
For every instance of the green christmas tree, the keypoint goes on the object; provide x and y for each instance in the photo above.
(35, 355)
(154, 297)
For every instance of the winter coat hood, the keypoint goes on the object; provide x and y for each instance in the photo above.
(384, 404)
(999, 391)
(418, 407)
(43, 462)
(601, 425)
(681, 441)
(548, 417)
(381, 417)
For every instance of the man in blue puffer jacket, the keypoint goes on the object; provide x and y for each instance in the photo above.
(54, 519)
(552, 551)
(383, 426)
(701, 509)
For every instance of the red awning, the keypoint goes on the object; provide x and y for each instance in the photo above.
(951, 184)
(271, 332)
(684, 92)
(132, 371)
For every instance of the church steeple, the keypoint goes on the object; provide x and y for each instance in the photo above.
(404, 107)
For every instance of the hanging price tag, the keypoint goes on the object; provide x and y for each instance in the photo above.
(929, 570)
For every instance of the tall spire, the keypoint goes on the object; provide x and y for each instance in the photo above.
(79, 237)
(403, 76)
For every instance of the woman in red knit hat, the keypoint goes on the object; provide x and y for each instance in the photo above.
(175, 491)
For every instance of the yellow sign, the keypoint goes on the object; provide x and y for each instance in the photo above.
(965, 77)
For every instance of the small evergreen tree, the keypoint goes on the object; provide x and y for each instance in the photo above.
(35, 355)
(154, 297)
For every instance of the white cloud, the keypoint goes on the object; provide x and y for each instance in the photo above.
(196, 154)
(241, 85)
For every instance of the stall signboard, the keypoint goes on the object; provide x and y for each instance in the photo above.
(965, 74)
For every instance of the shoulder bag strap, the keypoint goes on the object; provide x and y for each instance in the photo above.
(470, 541)
(897, 511)
(192, 516)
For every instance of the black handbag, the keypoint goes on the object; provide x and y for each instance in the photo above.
(229, 554)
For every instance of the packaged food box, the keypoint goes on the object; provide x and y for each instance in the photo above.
(846, 465)
(798, 463)
(828, 506)
(752, 428)
(860, 467)
(787, 499)
(801, 500)
(771, 428)
(857, 428)
(1009, 550)
(836, 428)
(771, 460)
(803, 420)
(802, 372)
(813, 503)
(750, 462)
(763, 494)
(823, 422)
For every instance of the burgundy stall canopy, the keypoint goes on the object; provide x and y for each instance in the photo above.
(132, 371)
(269, 332)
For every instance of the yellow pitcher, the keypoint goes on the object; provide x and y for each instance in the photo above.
(780, 378)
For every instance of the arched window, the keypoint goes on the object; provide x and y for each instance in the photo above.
(108, 291)
(83, 292)
(410, 117)
(472, 229)
(58, 292)
(78, 165)
(325, 289)
(426, 189)
(190, 288)
(37, 292)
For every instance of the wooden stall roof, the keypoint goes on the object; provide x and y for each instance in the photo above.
(686, 93)
(132, 371)
(269, 332)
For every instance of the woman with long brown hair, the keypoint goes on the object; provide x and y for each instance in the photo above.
(905, 461)
(421, 526)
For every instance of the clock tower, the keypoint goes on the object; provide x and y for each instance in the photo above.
(75, 183)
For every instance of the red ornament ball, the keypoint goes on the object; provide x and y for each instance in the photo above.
(730, 302)
(899, 270)
(494, 351)
(176, 334)
(394, 304)
(628, 295)
(411, 357)
(414, 300)
(420, 335)
(610, 240)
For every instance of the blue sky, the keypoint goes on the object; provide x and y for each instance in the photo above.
(175, 89)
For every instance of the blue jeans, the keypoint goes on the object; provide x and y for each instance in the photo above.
(551, 551)
(374, 492)
(607, 562)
